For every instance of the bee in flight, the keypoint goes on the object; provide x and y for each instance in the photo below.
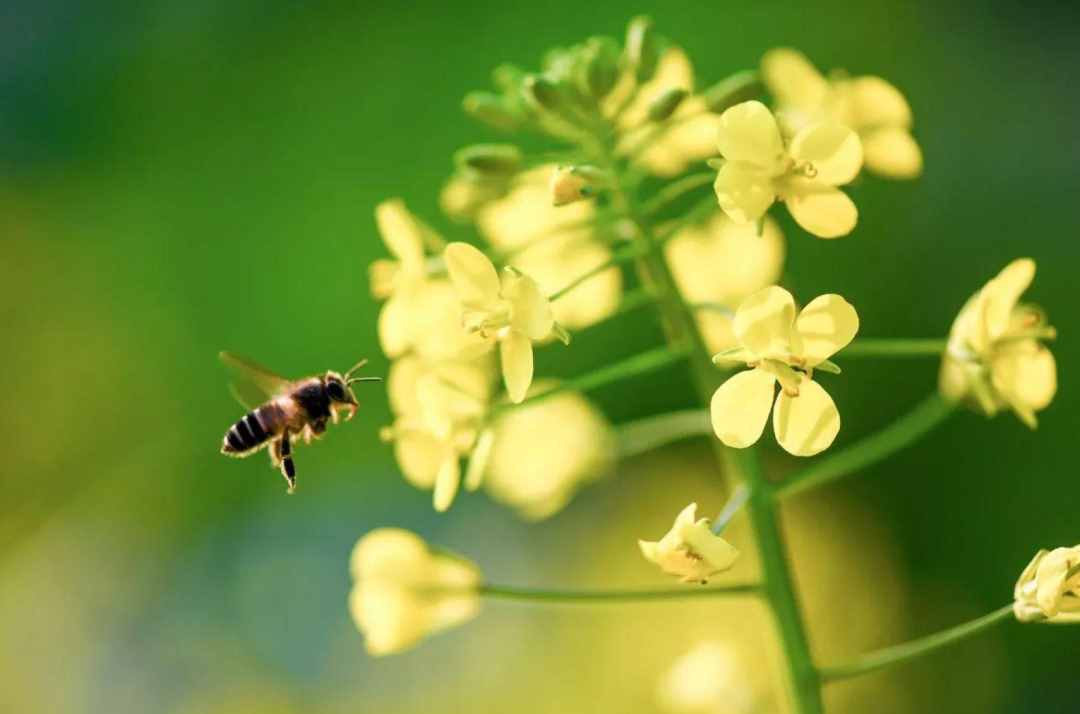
(284, 411)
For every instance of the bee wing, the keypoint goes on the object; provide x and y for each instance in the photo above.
(252, 383)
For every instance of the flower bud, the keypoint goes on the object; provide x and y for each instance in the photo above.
(666, 104)
(690, 550)
(508, 78)
(574, 183)
(642, 48)
(600, 67)
(545, 94)
(1049, 588)
(491, 109)
(736, 89)
(490, 159)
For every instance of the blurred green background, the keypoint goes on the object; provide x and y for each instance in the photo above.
(178, 178)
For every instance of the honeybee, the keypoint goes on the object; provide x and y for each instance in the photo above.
(283, 411)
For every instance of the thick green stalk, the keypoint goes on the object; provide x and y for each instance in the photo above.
(778, 588)
(503, 592)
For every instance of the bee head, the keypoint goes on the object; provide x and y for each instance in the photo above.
(338, 389)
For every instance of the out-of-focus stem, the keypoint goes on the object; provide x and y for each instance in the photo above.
(585, 597)
(675, 190)
(625, 257)
(644, 435)
(869, 347)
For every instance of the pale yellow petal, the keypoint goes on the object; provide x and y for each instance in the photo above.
(834, 151)
(1027, 372)
(743, 191)
(395, 326)
(807, 424)
(825, 326)
(823, 211)
(400, 232)
(892, 152)
(473, 275)
(877, 103)
(792, 79)
(419, 456)
(716, 551)
(516, 355)
(530, 309)
(749, 133)
(1003, 293)
(446, 483)
(382, 551)
(740, 407)
(764, 322)
(479, 459)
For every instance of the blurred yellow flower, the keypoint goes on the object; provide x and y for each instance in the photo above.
(691, 136)
(512, 312)
(785, 348)
(994, 359)
(718, 263)
(760, 170)
(711, 678)
(426, 320)
(473, 377)
(463, 195)
(404, 239)
(403, 591)
(1049, 588)
(690, 549)
(543, 453)
(553, 246)
(872, 107)
(566, 186)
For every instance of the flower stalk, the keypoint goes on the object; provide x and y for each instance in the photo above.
(585, 597)
(870, 347)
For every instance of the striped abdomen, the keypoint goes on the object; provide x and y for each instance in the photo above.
(248, 434)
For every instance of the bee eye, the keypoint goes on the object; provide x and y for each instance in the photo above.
(336, 391)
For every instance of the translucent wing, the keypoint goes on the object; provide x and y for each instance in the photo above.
(252, 383)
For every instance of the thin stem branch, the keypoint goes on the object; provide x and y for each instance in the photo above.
(624, 257)
(868, 347)
(675, 190)
(901, 433)
(644, 435)
(585, 597)
(652, 360)
(898, 654)
(701, 210)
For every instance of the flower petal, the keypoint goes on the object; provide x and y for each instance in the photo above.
(792, 79)
(473, 275)
(807, 424)
(740, 407)
(400, 232)
(825, 212)
(764, 322)
(394, 326)
(748, 132)
(1003, 293)
(743, 191)
(834, 151)
(892, 152)
(479, 459)
(516, 354)
(825, 326)
(446, 482)
(877, 103)
(1025, 371)
(530, 309)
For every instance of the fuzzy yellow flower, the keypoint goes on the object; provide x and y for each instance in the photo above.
(473, 377)
(718, 263)
(761, 169)
(403, 237)
(526, 472)
(711, 678)
(426, 320)
(994, 359)
(783, 347)
(1049, 588)
(553, 245)
(403, 591)
(875, 109)
(691, 136)
(512, 312)
(690, 550)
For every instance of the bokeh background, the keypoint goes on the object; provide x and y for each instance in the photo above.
(178, 178)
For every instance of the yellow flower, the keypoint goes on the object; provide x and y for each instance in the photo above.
(782, 347)
(994, 359)
(761, 169)
(403, 237)
(526, 472)
(1049, 588)
(718, 263)
(403, 591)
(512, 312)
(426, 320)
(691, 136)
(473, 377)
(872, 107)
(709, 679)
(690, 549)
(561, 245)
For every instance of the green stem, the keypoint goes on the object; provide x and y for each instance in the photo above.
(624, 257)
(898, 654)
(675, 190)
(638, 364)
(645, 435)
(701, 210)
(864, 347)
(929, 413)
(503, 592)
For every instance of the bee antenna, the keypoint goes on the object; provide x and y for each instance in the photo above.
(354, 380)
(355, 367)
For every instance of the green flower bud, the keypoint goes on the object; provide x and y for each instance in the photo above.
(666, 104)
(491, 109)
(736, 89)
(545, 94)
(490, 160)
(508, 78)
(642, 48)
(600, 67)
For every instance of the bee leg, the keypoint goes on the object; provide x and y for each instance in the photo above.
(288, 469)
(334, 415)
(352, 412)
